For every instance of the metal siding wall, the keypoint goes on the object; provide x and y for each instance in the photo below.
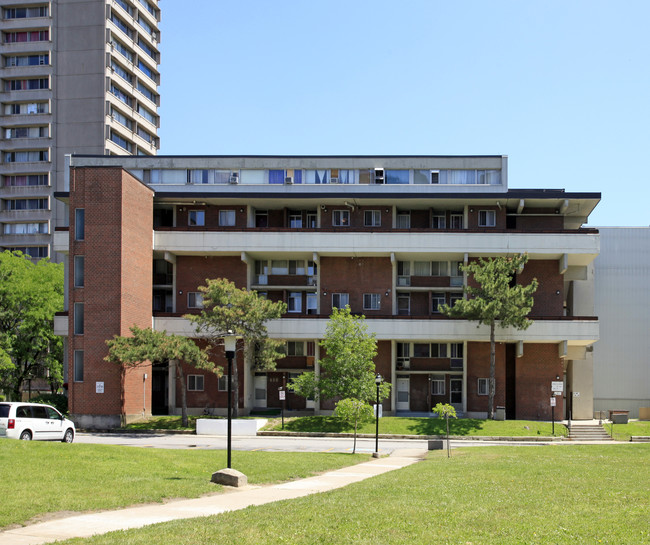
(622, 300)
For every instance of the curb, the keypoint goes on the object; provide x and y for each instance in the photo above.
(530, 438)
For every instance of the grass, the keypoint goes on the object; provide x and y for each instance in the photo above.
(469, 427)
(623, 432)
(170, 423)
(39, 478)
(485, 495)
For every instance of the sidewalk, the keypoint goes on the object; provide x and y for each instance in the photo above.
(231, 500)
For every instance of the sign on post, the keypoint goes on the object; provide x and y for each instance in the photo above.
(553, 402)
(283, 395)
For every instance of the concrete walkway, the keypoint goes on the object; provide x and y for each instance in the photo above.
(231, 500)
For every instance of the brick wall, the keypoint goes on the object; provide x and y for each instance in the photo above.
(549, 297)
(478, 366)
(535, 370)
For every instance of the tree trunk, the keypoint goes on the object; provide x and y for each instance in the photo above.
(492, 382)
(181, 379)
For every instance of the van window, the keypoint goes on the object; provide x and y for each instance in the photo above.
(39, 412)
(4, 410)
(23, 412)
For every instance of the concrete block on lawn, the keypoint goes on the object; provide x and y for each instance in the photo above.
(437, 444)
(229, 477)
(212, 426)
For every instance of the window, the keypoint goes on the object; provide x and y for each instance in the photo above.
(78, 365)
(371, 301)
(122, 142)
(27, 36)
(26, 204)
(483, 386)
(487, 218)
(438, 221)
(126, 76)
(439, 350)
(146, 92)
(26, 180)
(438, 387)
(439, 268)
(27, 60)
(312, 220)
(403, 273)
(78, 318)
(122, 25)
(294, 303)
(297, 266)
(23, 13)
(312, 303)
(422, 268)
(437, 299)
(421, 350)
(22, 108)
(223, 383)
(31, 251)
(295, 348)
(25, 228)
(79, 266)
(148, 50)
(121, 95)
(372, 218)
(126, 7)
(341, 218)
(295, 220)
(124, 51)
(196, 218)
(316, 176)
(146, 70)
(194, 299)
(397, 176)
(154, 120)
(456, 350)
(340, 300)
(404, 220)
(79, 224)
(403, 304)
(26, 156)
(456, 221)
(227, 218)
(195, 383)
(121, 118)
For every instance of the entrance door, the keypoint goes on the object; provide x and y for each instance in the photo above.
(260, 391)
(456, 393)
(403, 388)
(159, 389)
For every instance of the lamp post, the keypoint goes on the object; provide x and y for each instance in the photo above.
(378, 381)
(230, 343)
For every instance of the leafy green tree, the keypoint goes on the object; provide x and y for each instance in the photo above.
(229, 310)
(30, 294)
(495, 300)
(348, 368)
(147, 346)
(354, 412)
(446, 411)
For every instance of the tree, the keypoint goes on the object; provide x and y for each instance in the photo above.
(30, 294)
(354, 412)
(229, 310)
(445, 410)
(348, 368)
(495, 299)
(148, 346)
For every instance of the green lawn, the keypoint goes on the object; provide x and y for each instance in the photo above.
(46, 477)
(422, 426)
(558, 494)
(623, 432)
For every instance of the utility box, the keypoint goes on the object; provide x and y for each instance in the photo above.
(500, 413)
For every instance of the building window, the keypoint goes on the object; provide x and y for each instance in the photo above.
(340, 300)
(39, 156)
(25, 229)
(80, 224)
(196, 218)
(27, 60)
(438, 221)
(403, 304)
(295, 302)
(456, 221)
(23, 13)
(403, 273)
(22, 108)
(371, 301)
(79, 266)
(439, 268)
(456, 350)
(341, 218)
(397, 176)
(295, 220)
(312, 303)
(439, 350)
(122, 72)
(422, 268)
(78, 365)
(26, 180)
(195, 383)
(438, 387)
(37, 252)
(437, 299)
(487, 218)
(372, 218)
(27, 36)
(26, 204)
(295, 348)
(404, 220)
(421, 350)
(483, 386)
(122, 142)
(227, 218)
(78, 318)
(223, 383)
(194, 299)
(121, 118)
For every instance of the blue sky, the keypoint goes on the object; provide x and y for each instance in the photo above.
(561, 87)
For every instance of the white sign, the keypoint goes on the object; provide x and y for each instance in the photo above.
(381, 410)
(553, 402)
(283, 395)
(99, 387)
(557, 386)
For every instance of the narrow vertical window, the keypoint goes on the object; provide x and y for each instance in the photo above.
(80, 224)
(78, 365)
(79, 266)
(78, 318)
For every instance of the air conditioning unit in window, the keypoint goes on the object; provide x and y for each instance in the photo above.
(234, 178)
(435, 176)
(379, 175)
(335, 180)
(288, 180)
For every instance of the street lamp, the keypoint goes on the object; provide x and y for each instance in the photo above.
(378, 381)
(230, 343)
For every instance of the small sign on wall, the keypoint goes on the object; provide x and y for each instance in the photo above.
(99, 387)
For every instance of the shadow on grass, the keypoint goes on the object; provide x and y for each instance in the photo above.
(437, 426)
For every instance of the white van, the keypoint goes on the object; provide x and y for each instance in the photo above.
(29, 421)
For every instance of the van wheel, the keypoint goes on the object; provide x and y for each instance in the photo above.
(68, 437)
(26, 436)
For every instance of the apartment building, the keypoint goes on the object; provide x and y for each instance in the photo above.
(77, 76)
(383, 234)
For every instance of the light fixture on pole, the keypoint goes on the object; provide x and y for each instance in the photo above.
(378, 381)
(229, 476)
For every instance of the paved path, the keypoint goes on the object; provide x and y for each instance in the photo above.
(136, 517)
